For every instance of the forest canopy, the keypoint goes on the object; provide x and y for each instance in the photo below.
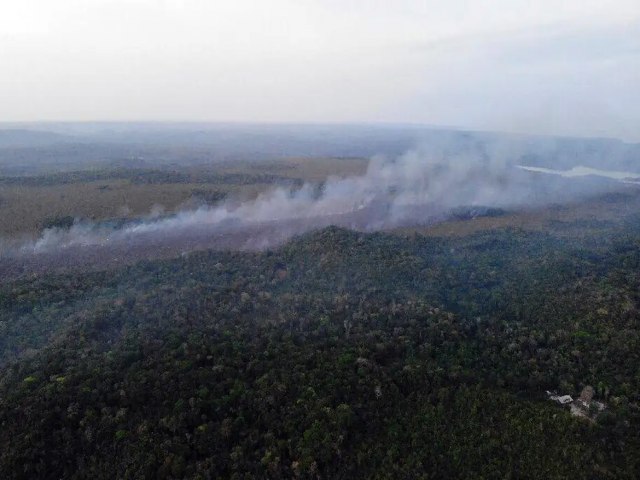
(339, 355)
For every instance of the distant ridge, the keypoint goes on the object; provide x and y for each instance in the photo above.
(19, 137)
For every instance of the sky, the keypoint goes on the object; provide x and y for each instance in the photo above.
(548, 66)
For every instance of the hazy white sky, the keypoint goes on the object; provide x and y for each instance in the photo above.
(545, 66)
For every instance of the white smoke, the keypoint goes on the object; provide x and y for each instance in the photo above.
(415, 188)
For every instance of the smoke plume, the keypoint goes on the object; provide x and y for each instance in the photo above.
(409, 189)
(419, 187)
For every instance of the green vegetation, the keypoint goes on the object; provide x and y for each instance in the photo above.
(340, 355)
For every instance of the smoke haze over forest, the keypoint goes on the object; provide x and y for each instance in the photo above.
(411, 86)
(445, 171)
(319, 239)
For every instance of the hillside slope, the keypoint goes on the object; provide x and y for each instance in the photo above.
(339, 355)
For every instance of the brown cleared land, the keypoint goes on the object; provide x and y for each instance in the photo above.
(317, 170)
(25, 208)
(576, 219)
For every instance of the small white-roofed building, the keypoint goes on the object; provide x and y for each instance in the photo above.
(564, 399)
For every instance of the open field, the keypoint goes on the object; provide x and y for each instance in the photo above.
(28, 204)
(597, 219)
(584, 217)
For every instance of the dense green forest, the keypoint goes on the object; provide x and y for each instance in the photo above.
(339, 355)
